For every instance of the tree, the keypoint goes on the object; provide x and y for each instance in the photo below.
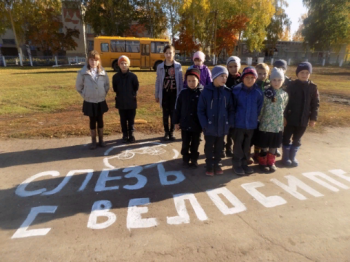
(298, 36)
(286, 35)
(172, 11)
(327, 23)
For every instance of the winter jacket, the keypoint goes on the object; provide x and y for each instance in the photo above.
(205, 78)
(160, 80)
(286, 83)
(125, 86)
(248, 103)
(216, 110)
(303, 103)
(232, 81)
(92, 91)
(262, 84)
(185, 112)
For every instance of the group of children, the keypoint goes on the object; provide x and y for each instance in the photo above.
(254, 108)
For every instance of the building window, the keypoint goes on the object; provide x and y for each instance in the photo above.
(8, 41)
(90, 45)
(89, 29)
(132, 46)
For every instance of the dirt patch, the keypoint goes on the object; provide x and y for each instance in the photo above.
(334, 98)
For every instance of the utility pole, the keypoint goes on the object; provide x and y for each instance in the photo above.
(9, 6)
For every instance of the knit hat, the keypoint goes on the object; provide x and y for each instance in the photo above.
(280, 63)
(277, 73)
(235, 59)
(218, 70)
(123, 58)
(304, 66)
(193, 72)
(200, 55)
(249, 70)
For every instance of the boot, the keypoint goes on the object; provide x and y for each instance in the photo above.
(271, 159)
(186, 160)
(263, 162)
(93, 139)
(166, 136)
(171, 136)
(292, 155)
(131, 137)
(194, 159)
(100, 138)
(237, 167)
(125, 138)
(286, 156)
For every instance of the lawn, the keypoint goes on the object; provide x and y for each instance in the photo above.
(43, 102)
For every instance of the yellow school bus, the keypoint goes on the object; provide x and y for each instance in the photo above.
(142, 52)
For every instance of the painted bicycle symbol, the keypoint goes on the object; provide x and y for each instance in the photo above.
(147, 150)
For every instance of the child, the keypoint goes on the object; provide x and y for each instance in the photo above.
(248, 101)
(263, 71)
(301, 111)
(169, 83)
(186, 118)
(216, 116)
(198, 60)
(125, 86)
(233, 64)
(269, 136)
(93, 84)
(280, 63)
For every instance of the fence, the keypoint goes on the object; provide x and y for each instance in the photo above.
(6, 61)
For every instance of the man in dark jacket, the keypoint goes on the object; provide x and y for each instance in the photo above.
(185, 117)
(301, 111)
(126, 85)
(248, 100)
(216, 115)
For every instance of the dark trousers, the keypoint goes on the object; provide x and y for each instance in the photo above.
(127, 120)
(190, 144)
(168, 112)
(241, 148)
(212, 149)
(229, 140)
(293, 133)
(94, 120)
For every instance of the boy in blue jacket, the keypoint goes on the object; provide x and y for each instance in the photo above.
(216, 116)
(248, 100)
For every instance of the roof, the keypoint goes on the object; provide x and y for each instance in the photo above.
(131, 38)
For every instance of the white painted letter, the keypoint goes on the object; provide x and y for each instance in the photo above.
(292, 187)
(21, 189)
(68, 177)
(23, 230)
(103, 178)
(183, 217)
(313, 176)
(163, 176)
(271, 201)
(135, 172)
(101, 209)
(134, 219)
(340, 173)
(238, 206)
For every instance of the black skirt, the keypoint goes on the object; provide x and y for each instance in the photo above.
(268, 139)
(95, 109)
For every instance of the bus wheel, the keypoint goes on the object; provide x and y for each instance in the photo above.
(156, 64)
(115, 66)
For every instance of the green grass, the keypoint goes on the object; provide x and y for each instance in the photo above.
(49, 96)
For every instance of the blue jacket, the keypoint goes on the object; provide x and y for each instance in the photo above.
(248, 104)
(216, 110)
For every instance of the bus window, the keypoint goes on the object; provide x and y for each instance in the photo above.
(157, 47)
(132, 46)
(117, 46)
(104, 47)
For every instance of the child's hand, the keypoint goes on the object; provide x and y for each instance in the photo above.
(284, 121)
(157, 100)
(312, 123)
(177, 126)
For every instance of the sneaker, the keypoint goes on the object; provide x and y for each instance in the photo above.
(166, 136)
(185, 163)
(125, 139)
(209, 172)
(247, 170)
(218, 170)
(132, 139)
(172, 137)
(238, 170)
(278, 153)
(194, 164)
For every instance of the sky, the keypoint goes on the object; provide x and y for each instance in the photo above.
(294, 12)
